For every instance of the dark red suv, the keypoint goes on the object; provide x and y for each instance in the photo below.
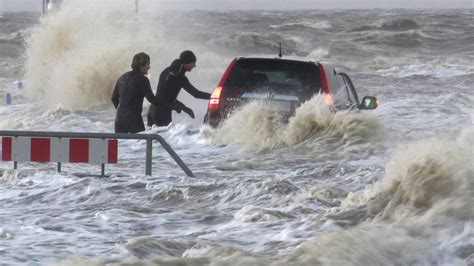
(281, 85)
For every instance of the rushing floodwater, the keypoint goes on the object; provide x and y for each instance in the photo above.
(392, 186)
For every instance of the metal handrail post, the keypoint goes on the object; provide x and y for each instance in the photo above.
(175, 156)
(149, 153)
(148, 137)
(102, 169)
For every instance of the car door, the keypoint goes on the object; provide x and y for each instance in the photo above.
(347, 96)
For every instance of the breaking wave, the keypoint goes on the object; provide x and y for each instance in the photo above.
(254, 43)
(411, 38)
(261, 206)
(364, 245)
(419, 213)
(431, 180)
(443, 70)
(75, 55)
(318, 54)
(14, 37)
(195, 256)
(391, 25)
(254, 128)
(303, 24)
(400, 25)
(74, 58)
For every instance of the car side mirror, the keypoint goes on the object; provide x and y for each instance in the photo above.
(369, 103)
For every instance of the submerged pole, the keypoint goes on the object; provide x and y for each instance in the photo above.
(8, 98)
(136, 6)
(149, 154)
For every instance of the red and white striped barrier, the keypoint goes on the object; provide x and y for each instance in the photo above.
(72, 150)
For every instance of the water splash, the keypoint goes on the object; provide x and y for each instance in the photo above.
(420, 212)
(257, 129)
(431, 180)
(75, 55)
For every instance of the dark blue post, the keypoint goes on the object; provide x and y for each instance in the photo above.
(8, 98)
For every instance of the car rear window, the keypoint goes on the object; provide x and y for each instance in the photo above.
(252, 74)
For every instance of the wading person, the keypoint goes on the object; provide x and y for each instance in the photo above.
(128, 95)
(172, 79)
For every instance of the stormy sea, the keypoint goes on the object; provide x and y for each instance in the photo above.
(392, 186)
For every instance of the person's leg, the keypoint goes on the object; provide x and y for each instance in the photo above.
(137, 126)
(162, 117)
(149, 116)
(149, 119)
(119, 128)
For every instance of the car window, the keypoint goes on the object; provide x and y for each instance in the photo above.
(252, 74)
(351, 92)
(346, 94)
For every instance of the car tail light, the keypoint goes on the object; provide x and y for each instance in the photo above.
(324, 80)
(215, 98)
(328, 99)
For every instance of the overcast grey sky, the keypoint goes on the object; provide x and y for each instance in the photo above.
(35, 5)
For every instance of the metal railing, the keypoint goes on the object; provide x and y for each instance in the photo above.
(148, 137)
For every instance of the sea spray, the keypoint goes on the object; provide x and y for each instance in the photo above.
(75, 55)
(255, 128)
(419, 212)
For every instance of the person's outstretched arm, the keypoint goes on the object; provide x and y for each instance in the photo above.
(193, 91)
(147, 92)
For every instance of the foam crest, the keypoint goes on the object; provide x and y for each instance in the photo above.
(198, 255)
(308, 24)
(431, 70)
(318, 54)
(420, 213)
(431, 180)
(250, 128)
(255, 42)
(255, 128)
(251, 214)
(374, 245)
(400, 24)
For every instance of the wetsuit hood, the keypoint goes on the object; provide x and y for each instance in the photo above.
(176, 67)
(187, 57)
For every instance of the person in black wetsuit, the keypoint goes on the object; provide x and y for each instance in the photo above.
(172, 79)
(128, 95)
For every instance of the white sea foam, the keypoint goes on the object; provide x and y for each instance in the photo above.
(254, 128)
(438, 71)
(310, 24)
(76, 54)
(278, 207)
